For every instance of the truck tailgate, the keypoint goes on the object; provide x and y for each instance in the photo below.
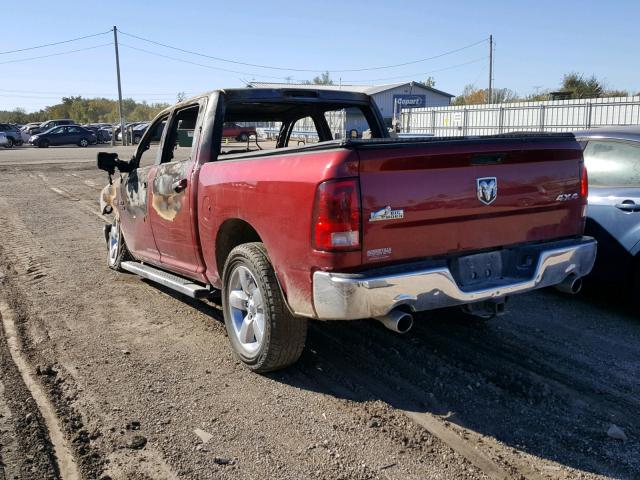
(425, 199)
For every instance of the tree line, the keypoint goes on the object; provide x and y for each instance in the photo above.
(86, 110)
(574, 86)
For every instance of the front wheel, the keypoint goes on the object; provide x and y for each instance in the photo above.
(116, 248)
(262, 331)
(84, 142)
(243, 137)
(43, 144)
(9, 143)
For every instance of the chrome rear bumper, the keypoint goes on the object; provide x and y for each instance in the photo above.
(342, 296)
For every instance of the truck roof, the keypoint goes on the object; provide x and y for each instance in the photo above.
(298, 95)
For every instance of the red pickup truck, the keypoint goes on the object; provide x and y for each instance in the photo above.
(341, 229)
(238, 132)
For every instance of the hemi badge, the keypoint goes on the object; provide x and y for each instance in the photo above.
(386, 214)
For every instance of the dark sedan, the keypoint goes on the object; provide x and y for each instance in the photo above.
(612, 158)
(64, 135)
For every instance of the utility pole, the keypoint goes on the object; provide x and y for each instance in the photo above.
(120, 110)
(490, 69)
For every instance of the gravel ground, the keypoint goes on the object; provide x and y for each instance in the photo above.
(134, 370)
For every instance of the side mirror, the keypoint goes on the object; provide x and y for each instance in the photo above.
(108, 162)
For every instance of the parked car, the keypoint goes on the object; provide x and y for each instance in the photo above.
(12, 134)
(612, 158)
(49, 124)
(64, 135)
(102, 134)
(237, 132)
(341, 229)
(31, 128)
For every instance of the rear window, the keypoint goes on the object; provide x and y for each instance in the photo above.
(612, 163)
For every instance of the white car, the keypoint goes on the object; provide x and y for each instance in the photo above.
(3, 139)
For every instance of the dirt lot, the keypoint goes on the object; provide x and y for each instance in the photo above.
(131, 371)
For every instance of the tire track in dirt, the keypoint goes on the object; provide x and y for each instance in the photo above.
(29, 266)
(419, 368)
(66, 462)
(479, 450)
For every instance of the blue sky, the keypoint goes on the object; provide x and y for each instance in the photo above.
(536, 43)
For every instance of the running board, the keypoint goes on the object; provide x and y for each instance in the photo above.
(179, 284)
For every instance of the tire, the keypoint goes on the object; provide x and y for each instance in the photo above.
(243, 137)
(252, 302)
(9, 143)
(136, 139)
(83, 142)
(43, 144)
(117, 251)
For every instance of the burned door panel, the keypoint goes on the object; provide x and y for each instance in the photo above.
(171, 216)
(133, 210)
(168, 196)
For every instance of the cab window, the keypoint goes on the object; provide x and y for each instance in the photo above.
(179, 139)
(149, 146)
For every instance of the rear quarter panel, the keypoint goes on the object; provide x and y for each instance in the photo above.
(275, 195)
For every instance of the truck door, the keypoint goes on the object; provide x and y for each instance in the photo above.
(133, 204)
(173, 193)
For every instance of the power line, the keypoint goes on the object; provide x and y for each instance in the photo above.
(237, 62)
(55, 43)
(415, 75)
(91, 93)
(196, 63)
(281, 78)
(56, 54)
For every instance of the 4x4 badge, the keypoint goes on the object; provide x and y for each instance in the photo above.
(386, 214)
(487, 189)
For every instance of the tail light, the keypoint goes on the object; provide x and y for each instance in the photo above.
(336, 215)
(584, 182)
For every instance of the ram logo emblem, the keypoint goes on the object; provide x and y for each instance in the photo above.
(487, 189)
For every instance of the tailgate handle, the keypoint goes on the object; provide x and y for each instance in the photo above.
(487, 158)
(628, 206)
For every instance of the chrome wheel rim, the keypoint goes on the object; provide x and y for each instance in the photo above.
(83, 143)
(246, 309)
(114, 243)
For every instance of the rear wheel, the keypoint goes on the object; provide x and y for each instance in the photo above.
(43, 144)
(9, 143)
(262, 331)
(243, 137)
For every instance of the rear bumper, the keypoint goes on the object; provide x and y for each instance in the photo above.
(424, 286)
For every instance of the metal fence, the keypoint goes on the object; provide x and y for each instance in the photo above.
(550, 116)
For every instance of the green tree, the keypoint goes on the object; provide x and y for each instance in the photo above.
(476, 96)
(429, 82)
(322, 79)
(581, 87)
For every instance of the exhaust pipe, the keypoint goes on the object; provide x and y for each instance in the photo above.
(571, 284)
(397, 321)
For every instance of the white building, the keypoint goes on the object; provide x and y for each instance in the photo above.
(405, 94)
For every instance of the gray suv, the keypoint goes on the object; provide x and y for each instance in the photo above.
(612, 158)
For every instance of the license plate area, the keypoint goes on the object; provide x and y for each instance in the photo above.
(478, 268)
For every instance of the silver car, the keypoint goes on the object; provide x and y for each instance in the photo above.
(612, 158)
